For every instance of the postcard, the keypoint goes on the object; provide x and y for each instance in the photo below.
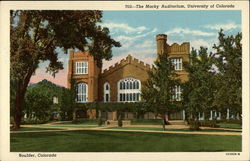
(124, 80)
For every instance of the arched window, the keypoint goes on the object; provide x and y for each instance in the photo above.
(82, 92)
(106, 92)
(129, 90)
(137, 85)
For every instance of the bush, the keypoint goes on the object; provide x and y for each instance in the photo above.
(209, 123)
(34, 121)
(146, 121)
(120, 122)
(84, 121)
(194, 125)
(230, 121)
(11, 120)
(100, 122)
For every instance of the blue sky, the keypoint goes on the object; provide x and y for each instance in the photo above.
(136, 30)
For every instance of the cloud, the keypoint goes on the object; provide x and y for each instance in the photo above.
(197, 43)
(145, 44)
(154, 30)
(183, 31)
(123, 27)
(134, 37)
(227, 26)
(207, 43)
(130, 41)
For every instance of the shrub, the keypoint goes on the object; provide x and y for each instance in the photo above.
(209, 123)
(194, 125)
(213, 123)
(100, 122)
(230, 121)
(147, 121)
(120, 122)
(84, 121)
(34, 121)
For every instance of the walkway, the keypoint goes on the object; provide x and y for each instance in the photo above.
(105, 128)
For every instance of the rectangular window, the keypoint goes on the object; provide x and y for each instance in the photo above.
(134, 97)
(120, 97)
(82, 67)
(127, 97)
(55, 100)
(177, 93)
(107, 98)
(137, 96)
(177, 62)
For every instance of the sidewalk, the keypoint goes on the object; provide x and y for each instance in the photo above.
(104, 128)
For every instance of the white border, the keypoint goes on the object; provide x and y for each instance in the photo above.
(114, 5)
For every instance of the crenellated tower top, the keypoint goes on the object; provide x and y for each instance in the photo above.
(161, 40)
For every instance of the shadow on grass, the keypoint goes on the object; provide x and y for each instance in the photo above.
(111, 141)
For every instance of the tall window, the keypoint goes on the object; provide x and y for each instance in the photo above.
(82, 92)
(177, 62)
(82, 67)
(129, 90)
(55, 100)
(106, 92)
(177, 93)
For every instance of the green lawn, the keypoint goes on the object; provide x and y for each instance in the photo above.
(35, 129)
(110, 141)
(146, 122)
(161, 129)
(231, 126)
(70, 126)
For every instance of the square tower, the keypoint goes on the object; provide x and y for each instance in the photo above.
(177, 53)
(84, 73)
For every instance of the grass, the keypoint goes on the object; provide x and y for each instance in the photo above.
(146, 122)
(35, 129)
(70, 126)
(64, 125)
(161, 129)
(85, 121)
(231, 126)
(110, 141)
(63, 122)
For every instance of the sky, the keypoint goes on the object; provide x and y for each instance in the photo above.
(136, 31)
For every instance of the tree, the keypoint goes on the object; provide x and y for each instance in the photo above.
(228, 60)
(35, 35)
(198, 93)
(39, 103)
(68, 103)
(159, 88)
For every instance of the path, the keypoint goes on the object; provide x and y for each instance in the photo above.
(104, 128)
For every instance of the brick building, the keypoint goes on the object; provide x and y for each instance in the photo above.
(123, 81)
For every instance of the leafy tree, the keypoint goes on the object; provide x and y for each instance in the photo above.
(228, 59)
(198, 93)
(68, 103)
(12, 99)
(36, 34)
(139, 109)
(39, 100)
(158, 90)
